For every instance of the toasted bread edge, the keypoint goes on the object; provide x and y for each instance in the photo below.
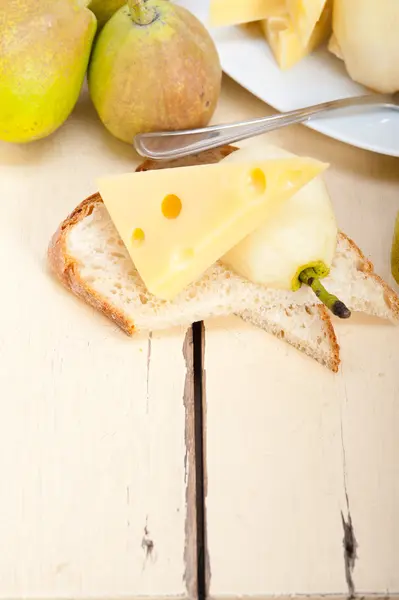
(66, 268)
(367, 267)
(335, 360)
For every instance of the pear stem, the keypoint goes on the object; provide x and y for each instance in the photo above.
(309, 277)
(140, 13)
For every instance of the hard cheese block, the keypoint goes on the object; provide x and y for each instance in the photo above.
(178, 222)
(234, 12)
(304, 15)
(285, 42)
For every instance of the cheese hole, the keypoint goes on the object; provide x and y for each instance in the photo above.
(138, 237)
(171, 206)
(182, 258)
(257, 181)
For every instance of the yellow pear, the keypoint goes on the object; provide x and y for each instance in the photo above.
(302, 233)
(104, 9)
(366, 37)
(296, 244)
(154, 67)
(44, 51)
(395, 251)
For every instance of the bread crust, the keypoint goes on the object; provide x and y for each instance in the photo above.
(335, 359)
(366, 266)
(66, 268)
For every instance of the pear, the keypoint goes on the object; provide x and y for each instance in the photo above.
(366, 37)
(297, 243)
(395, 251)
(154, 67)
(104, 9)
(44, 51)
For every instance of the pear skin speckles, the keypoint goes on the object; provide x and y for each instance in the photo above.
(44, 52)
(161, 76)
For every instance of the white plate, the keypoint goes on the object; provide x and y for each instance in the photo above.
(246, 58)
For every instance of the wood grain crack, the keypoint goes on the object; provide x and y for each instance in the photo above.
(349, 540)
(147, 543)
(149, 348)
(350, 554)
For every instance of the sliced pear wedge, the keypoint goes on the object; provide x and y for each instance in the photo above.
(296, 245)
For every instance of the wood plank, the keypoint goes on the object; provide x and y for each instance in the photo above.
(370, 422)
(274, 468)
(297, 458)
(96, 434)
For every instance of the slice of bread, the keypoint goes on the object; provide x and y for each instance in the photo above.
(88, 256)
(90, 259)
(307, 328)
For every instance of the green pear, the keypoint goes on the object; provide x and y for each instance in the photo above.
(154, 66)
(45, 47)
(104, 9)
(395, 251)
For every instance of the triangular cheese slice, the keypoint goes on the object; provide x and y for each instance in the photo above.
(177, 222)
(304, 15)
(285, 42)
(235, 12)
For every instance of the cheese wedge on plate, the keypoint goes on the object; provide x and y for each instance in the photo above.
(304, 15)
(235, 12)
(177, 222)
(285, 42)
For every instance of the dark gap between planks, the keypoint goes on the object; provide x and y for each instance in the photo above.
(349, 541)
(199, 459)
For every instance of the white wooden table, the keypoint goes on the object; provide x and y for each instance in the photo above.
(97, 455)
